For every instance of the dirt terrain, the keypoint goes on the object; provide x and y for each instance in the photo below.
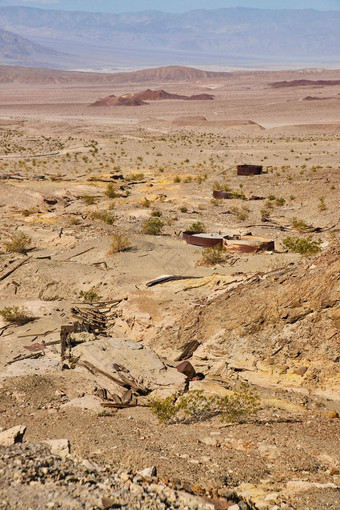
(94, 202)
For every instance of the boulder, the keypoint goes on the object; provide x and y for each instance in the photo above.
(12, 435)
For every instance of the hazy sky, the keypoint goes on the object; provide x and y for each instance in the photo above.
(173, 5)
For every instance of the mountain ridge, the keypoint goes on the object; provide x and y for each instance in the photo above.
(196, 37)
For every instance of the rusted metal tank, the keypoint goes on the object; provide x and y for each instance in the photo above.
(203, 239)
(221, 194)
(248, 244)
(249, 169)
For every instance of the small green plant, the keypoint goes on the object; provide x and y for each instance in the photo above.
(195, 406)
(89, 199)
(111, 191)
(300, 225)
(177, 179)
(16, 315)
(197, 227)
(183, 209)
(152, 226)
(119, 243)
(90, 296)
(135, 177)
(279, 202)
(322, 206)
(103, 216)
(19, 243)
(305, 247)
(212, 256)
(156, 214)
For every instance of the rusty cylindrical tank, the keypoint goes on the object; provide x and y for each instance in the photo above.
(249, 169)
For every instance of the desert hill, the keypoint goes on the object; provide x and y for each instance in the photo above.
(279, 327)
(304, 83)
(28, 75)
(139, 98)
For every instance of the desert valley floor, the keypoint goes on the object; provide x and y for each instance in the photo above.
(94, 201)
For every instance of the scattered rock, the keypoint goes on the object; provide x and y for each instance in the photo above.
(149, 472)
(12, 435)
(59, 447)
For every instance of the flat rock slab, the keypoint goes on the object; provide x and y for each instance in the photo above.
(136, 361)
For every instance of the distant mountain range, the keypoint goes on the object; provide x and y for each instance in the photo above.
(230, 37)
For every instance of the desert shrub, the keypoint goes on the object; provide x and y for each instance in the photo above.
(322, 206)
(279, 202)
(135, 177)
(90, 296)
(212, 256)
(89, 199)
(111, 191)
(305, 247)
(195, 406)
(177, 179)
(103, 216)
(19, 243)
(119, 243)
(183, 209)
(153, 226)
(299, 225)
(197, 226)
(16, 315)
(156, 214)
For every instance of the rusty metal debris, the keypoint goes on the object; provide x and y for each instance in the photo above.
(249, 169)
(222, 195)
(202, 239)
(170, 278)
(187, 369)
(35, 347)
(248, 244)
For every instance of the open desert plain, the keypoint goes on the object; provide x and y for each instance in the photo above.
(105, 181)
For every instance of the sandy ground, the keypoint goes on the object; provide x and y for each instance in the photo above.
(57, 157)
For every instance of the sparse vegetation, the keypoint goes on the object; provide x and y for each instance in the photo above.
(89, 199)
(153, 226)
(119, 243)
(16, 315)
(197, 227)
(19, 243)
(111, 191)
(306, 247)
(299, 225)
(212, 256)
(103, 216)
(195, 406)
(90, 296)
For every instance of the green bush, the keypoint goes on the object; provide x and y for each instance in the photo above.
(212, 256)
(19, 243)
(111, 191)
(89, 296)
(299, 225)
(197, 226)
(16, 315)
(119, 243)
(305, 247)
(152, 226)
(103, 216)
(195, 406)
(89, 199)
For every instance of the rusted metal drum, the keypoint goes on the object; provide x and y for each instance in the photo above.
(248, 244)
(221, 194)
(249, 169)
(203, 239)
